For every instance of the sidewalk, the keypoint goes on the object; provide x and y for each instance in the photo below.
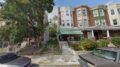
(67, 59)
(53, 61)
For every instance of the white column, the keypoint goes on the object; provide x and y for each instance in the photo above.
(108, 34)
(93, 34)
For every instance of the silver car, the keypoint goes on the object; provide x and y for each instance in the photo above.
(13, 60)
(101, 57)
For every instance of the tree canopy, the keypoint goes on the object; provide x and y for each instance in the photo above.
(25, 18)
(53, 31)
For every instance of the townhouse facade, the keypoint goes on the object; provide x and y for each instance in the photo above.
(102, 21)
(100, 15)
(66, 17)
(114, 18)
(99, 23)
(67, 31)
(81, 18)
(114, 14)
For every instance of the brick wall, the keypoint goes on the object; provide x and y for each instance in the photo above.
(75, 18)
(107, 17)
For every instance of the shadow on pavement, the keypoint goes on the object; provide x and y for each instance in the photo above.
(35, 65)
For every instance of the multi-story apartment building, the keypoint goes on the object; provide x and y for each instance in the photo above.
(100, 21)
(66, 17)
(95, 23)
(100, 15)
(114, 14)
(82, 18)
(101, 25)
(67, 30)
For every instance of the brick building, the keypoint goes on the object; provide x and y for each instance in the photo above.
(98, 22)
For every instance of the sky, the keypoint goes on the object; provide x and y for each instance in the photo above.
(74, 3)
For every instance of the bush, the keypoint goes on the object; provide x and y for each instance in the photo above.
(53, 47)
(102, 43)
(76, 46)
(116, 41)
(87, 44)
(53, 42)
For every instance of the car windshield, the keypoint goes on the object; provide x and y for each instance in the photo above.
(105, 54)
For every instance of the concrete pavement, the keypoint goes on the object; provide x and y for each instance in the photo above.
(68, 58)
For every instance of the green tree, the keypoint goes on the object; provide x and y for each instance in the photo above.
(27, 18)
(53, 31)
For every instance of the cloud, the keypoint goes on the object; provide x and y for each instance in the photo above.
(109, 2)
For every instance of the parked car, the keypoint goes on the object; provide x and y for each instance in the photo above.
(13, 60)
(101, 57)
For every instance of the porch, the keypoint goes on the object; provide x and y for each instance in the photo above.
(101, 32)
(71, 34)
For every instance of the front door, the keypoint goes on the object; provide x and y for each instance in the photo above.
(96, 35)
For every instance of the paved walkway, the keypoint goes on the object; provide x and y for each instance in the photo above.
(69, 52)
(67, 59)
(66, 50)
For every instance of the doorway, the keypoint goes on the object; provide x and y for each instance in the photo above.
(96, 35)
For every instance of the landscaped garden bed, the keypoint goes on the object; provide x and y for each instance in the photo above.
(88, 45)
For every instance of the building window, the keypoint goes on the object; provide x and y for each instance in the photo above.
(115, 21)
(97, 22)
(112, 12)
(78, 12)
(63, 24)
(86, 23)
(101, 12)
(67, 20)
(68, 24)
(67, 13)
(84, 12)
(103, 22)
(71, 24)
(85, 20)
(118, 10)
(80, 22)
(95, 13)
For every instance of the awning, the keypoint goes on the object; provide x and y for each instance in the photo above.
(70, 31)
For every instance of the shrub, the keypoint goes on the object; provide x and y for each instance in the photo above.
(75, 46)
(52, 42)
(53, 47)
(87, 44)
(102, 43)
(116, 41)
